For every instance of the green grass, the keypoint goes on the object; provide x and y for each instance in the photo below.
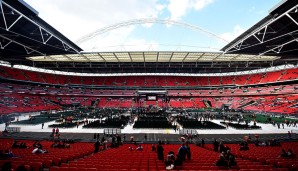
(263, 119)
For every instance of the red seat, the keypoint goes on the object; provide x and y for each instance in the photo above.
(73, 169)
(88, 169)
(36, 166)
(54, 169)
(284, 164)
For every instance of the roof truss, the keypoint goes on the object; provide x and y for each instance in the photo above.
(12, 19)
(160, 57)
(278, 35)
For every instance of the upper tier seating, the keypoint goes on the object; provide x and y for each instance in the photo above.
(152, 81)
(23, 98)
(255, 79)
(289, 75)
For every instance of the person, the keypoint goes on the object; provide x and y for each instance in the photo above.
(57, 130)
(283, 154)
(221, 161)
(153, 148)
(182, 151)
(249, 137)
(15, 144)
(188, 136)
(291, 154)
(178, 161)
(118, 137)
(96, 146)
(140, 147)
(231, 161)
(39, 151)
(57, 136)
(66, 144)
(42, 125)
(54, 145)
(230, 158)
(145, 137)
(215, 145)
(203, 143)
(37, 144)
(102, 139)
(113, 140)
(5, 132)
(278, 125)
(131, 138)
(274, 143)
(289, 135)
(222, 147)
(244, 145)
(227, 154)
(160, 150)
(8, 154)
(130, 148)
(188, 154)
(53, 131)
(105, 145)
(170, 161)
(23, 145)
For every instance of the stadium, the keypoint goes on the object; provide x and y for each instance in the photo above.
(63, 108)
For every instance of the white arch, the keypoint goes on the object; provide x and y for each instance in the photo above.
(146, 21)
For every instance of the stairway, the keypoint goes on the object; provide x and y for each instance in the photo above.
(247, 104)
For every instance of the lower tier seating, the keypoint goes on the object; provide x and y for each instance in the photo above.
(37, 162)
(80, 157)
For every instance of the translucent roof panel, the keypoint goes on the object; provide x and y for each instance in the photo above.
(151, 57)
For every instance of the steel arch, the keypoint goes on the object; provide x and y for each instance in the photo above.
(146, 21)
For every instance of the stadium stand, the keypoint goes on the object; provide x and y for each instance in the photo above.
(154, 81)
(80, 157)
(148, 99)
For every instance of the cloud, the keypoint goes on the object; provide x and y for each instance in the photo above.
(200, 4)
(256, 11)
(252, 9)
(179, 8)
(140, 45)
(111, 38)
(237, 30)
(119, 40)
(75, 19)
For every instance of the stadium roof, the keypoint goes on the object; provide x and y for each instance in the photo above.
(23, 34)
(276, 34)
(26, 39)
(151, 57)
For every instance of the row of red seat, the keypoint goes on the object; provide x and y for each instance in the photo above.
(37, 162)
(79, 157)
(152, 81)
(125, 160)
(63, 91)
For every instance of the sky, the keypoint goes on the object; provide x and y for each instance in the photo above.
(185, 25)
